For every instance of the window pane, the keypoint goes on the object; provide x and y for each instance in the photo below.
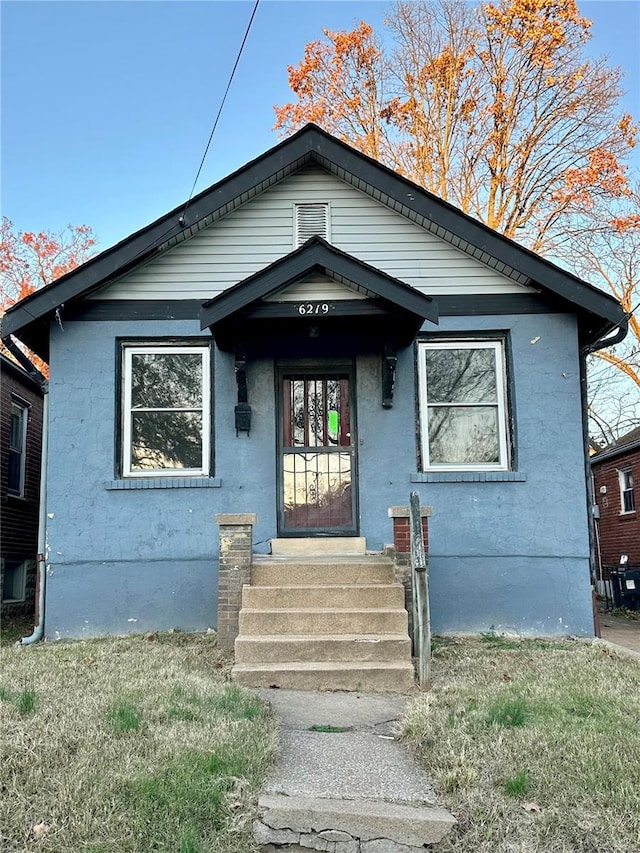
(298, 412)
(14, 581)
(316, 411)
(461, 375)
(463, 434)
(166, 440)
(166, 380)
(16, 430)
(15, 471)
(17, 437)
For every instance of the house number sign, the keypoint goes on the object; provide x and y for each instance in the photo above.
(313, 309)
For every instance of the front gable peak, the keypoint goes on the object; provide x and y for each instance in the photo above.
(598, 313)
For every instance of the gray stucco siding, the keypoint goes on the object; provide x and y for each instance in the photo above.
(91, 599)
(528, 596)
(504, 555)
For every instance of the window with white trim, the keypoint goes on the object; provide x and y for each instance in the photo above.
(311, 220)
(627, 496)
(166, 410)
(463, 412)
(17, 448)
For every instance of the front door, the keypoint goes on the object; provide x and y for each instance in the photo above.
(317, 453)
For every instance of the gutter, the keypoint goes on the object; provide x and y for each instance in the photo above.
(32, 370)
(620, 335)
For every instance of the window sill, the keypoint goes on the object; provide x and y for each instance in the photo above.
(469, 477)
(163, 483)
(628, 513)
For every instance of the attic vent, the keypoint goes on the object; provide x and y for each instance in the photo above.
(311, 220)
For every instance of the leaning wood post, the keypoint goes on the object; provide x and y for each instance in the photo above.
(420, 584)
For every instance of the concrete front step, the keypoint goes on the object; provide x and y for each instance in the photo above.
(269, 571)
(339, 647)
(323, 595)
(314, 545)
(366, 825)
(362, 676)
(323, 621)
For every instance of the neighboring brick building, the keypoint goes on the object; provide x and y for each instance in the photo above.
(616, 476)
(20, 446)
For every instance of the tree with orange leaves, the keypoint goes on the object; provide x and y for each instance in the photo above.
(30, 260)
(607, 252)
(497, 109)
(494, 108)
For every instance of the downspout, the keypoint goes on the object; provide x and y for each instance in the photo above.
(584, 352)
(38, 630)
(41, 568)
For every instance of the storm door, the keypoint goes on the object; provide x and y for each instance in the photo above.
(317, 454)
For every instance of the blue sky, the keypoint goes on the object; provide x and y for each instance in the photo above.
(107, 105)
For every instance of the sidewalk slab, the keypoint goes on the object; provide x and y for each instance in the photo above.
(301, 709)
(349, 765)
(364, 820)
(352, 788)
(621, 632)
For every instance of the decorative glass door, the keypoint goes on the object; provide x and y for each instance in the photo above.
(317, 454)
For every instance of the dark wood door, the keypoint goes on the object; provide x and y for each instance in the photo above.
(317, 454)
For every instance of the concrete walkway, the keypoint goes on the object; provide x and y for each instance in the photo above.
(621, 632)
(343, 784)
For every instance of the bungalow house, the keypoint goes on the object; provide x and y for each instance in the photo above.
(20, 446)
(274, 368)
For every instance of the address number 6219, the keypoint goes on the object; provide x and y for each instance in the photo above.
(308, 308)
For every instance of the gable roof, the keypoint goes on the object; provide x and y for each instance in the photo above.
(19, 373)
(627, 443)
(317, 254)
(598, 312)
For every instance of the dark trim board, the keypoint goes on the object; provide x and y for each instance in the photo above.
(484, 304)
(189, 309)
(133, 309)
(337, 308)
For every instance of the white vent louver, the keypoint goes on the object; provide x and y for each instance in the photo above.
(311, 220)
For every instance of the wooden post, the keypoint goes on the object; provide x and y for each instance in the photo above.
(420, 582)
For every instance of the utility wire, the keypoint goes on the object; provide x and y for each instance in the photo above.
(224, 98)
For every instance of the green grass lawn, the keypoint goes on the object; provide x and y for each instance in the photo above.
(128, 745)
(534, 746)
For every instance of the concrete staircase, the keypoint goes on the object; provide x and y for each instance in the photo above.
(317, 619)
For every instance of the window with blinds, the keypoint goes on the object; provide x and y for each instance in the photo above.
(311, 220)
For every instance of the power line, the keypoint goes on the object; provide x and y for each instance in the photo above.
(224, 98)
